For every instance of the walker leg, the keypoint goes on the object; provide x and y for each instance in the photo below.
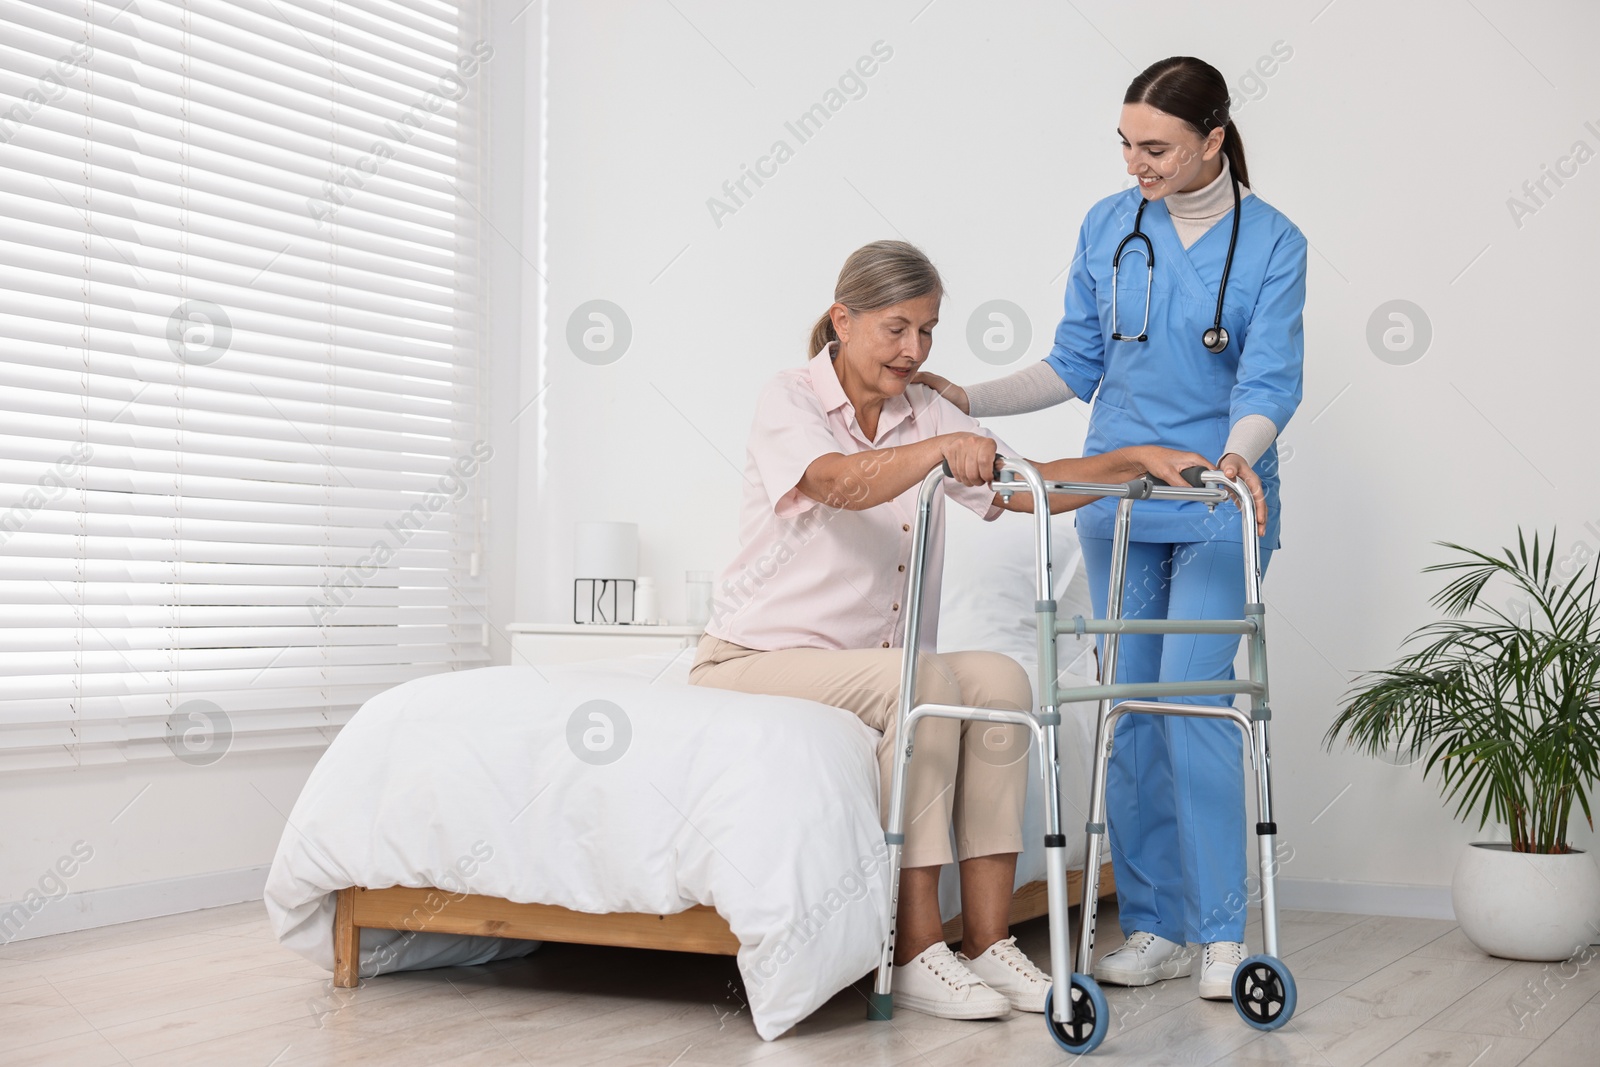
(1095, 831)
(1094, 839)
(1266, 843)
(1055, 869)
(1048, 715)
(1260, 748)
(880, 1004)
(1263, 988)
(1261, 756)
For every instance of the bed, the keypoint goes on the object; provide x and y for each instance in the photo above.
(464, 818)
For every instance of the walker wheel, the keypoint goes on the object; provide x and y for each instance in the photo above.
(1263, 992)
(1089, 1021)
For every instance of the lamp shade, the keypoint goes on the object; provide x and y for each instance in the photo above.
(605, 550)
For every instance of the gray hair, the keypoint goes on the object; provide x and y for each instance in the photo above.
(876, 276)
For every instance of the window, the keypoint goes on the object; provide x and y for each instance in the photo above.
(240, 460)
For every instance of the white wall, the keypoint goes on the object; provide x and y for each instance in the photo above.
(1393, 135)
(141, 839)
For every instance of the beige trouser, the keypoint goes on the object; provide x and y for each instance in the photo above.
(973, 774)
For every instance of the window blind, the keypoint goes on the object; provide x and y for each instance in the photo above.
(240, 456)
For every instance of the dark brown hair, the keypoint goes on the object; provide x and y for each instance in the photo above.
(1196, 92)
(876, 276)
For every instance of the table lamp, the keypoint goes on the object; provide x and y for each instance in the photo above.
(605, 561)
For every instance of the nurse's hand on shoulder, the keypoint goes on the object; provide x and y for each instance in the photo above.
(1234, 466)
(970, 455)
(945, 388)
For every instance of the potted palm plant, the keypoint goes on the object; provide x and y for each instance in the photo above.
(1501, 704)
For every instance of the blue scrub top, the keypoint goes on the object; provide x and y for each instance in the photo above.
(1169, 390)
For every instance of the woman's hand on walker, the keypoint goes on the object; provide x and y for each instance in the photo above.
(970, 456)
(1234, 466)
(945, 388)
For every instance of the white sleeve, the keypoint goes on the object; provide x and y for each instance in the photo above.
(1250, 438)
(1030, 389)
(789, 432)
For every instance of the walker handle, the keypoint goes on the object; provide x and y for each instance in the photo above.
(998, 459)
(1141, 487)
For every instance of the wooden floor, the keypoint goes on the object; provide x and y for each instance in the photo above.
(213, 988)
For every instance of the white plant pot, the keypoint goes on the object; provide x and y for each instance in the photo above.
(1525, 906)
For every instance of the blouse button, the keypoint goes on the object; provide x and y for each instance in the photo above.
(886, 644)
(906, 527)
(897, 607)
(902, 567)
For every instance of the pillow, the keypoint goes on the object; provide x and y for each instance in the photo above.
(988, 591)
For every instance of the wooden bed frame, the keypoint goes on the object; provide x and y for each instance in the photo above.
(699, 929)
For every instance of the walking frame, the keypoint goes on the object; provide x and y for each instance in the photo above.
(1075, 1011)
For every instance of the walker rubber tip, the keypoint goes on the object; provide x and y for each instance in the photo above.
(880, 1007)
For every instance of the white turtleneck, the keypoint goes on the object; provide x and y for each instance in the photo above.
(1039, 386)
(1196, 212)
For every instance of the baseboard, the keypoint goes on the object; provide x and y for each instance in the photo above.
(92, 908)
(1366, 898)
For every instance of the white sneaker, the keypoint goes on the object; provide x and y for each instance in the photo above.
(1004, 968)
(936, 983)
(1218, 961)
(1144, 959)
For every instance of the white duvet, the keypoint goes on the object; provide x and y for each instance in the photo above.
(764, 808)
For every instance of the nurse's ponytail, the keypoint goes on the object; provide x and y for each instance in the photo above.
(1233, 148)
(1196, 92)
(876, 276)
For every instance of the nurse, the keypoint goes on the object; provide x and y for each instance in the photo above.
(1171, 371)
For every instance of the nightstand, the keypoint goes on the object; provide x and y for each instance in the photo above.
(565, 642)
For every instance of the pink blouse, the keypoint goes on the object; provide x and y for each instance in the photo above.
(813, 576)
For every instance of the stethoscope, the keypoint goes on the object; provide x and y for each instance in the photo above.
(1216, 338)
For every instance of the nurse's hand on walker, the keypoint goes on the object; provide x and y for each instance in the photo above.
(1234, 466)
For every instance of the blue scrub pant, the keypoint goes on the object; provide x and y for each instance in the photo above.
(1175, 786)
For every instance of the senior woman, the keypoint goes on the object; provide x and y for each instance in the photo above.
(812, 607)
